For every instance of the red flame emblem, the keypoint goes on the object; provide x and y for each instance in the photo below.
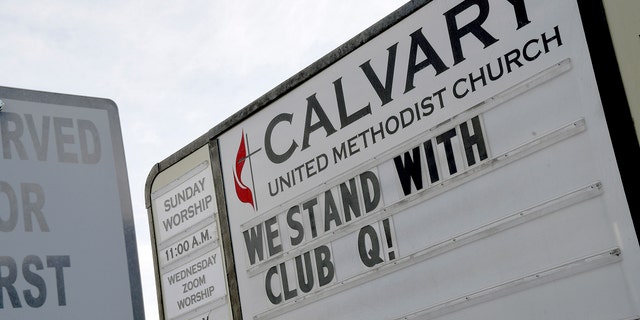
(242, 191)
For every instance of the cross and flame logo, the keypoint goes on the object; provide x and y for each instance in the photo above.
(244, 192)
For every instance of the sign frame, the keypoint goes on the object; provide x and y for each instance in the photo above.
(607, 75)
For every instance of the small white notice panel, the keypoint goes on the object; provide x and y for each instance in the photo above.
(188, 249)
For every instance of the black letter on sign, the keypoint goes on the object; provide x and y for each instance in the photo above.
(371, 201)
(313, 106)
(9, 224)
(383, 91)
(35, 280)
(40, 143)
(84, 127)
(346, 119)
(7, 281)
(253, 242)
(445, 139)
(267, 285)
(409, 169)
(295, 225)
(305, 273)
(474, 27)
(272, 234)
(33, 206)
(288, 294)
(59, 262)
(61, 139)
(418, 40)
(476, 139)
(12, 136)
(324, 265)
(369, 257)
(350, 203)
(268, 148)
(521, 13)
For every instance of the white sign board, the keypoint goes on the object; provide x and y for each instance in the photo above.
(196, 283)
(453, 166)
(186, 204)
(189, 257)
(66, 225)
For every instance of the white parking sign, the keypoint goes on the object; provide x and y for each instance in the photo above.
(66, 225)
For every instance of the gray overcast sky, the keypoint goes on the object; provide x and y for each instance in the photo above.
(174, 68)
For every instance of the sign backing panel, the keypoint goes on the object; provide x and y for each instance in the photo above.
(445, 165)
